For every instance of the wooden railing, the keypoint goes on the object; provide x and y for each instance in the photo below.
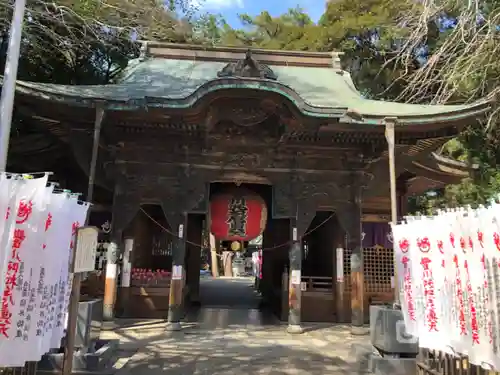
(165, 283)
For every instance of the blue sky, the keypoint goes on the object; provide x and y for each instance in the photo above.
(231, 8)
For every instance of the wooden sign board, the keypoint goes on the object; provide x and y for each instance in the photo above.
(85, 249)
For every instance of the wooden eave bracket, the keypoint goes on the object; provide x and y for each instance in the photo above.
(391, 120)
(353, 114)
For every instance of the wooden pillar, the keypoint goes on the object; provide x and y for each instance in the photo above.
(305, 213)
(128, 247)
(194, 236)
(357, 275)
(338, 259)
(349, 215)
(265, 267)
(402, 191)
(126, 204)
(295, 277)
(213, 256)
(179, 223)
(110, 285)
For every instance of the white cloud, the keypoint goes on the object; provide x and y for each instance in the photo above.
(219, 4)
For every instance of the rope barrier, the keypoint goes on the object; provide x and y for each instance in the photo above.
(264, 249)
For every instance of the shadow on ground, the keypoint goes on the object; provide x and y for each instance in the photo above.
(229, 336)
(235, 351)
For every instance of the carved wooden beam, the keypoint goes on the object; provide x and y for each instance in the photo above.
(185, 194)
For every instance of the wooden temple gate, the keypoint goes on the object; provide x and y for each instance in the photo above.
(184, 117)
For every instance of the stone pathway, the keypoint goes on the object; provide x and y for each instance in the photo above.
(230, 341)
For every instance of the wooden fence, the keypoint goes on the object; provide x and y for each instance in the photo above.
(431, 362)
(30, 368)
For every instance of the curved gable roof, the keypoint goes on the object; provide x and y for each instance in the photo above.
(180, 82)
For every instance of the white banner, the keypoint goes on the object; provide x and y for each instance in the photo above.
(35, 233)
(448, 269)
(20, 274)
(76, 219)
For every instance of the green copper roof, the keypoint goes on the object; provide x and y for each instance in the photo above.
(318, 92)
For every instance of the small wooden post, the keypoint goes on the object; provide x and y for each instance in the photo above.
(85, 239)
(391, 140)
(69, 347)
(176, 297)
(294, 292)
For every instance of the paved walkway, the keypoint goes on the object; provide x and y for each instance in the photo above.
(236, 292)
(235, 340)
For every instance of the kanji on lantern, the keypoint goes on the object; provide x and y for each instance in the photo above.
(237, 217)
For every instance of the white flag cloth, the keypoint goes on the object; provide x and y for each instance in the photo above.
(37, 229)
(55, 249)
(76, 217)
(37, 267)
(454, 276)
(19, 288)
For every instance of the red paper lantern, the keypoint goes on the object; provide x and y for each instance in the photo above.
(237, 216)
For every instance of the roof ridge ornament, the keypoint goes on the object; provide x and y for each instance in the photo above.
(249, 67)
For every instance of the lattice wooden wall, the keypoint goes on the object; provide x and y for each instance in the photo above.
(378, 269)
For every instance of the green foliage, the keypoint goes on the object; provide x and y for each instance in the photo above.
(91, 41)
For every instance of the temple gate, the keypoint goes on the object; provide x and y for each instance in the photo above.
(183, 119)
